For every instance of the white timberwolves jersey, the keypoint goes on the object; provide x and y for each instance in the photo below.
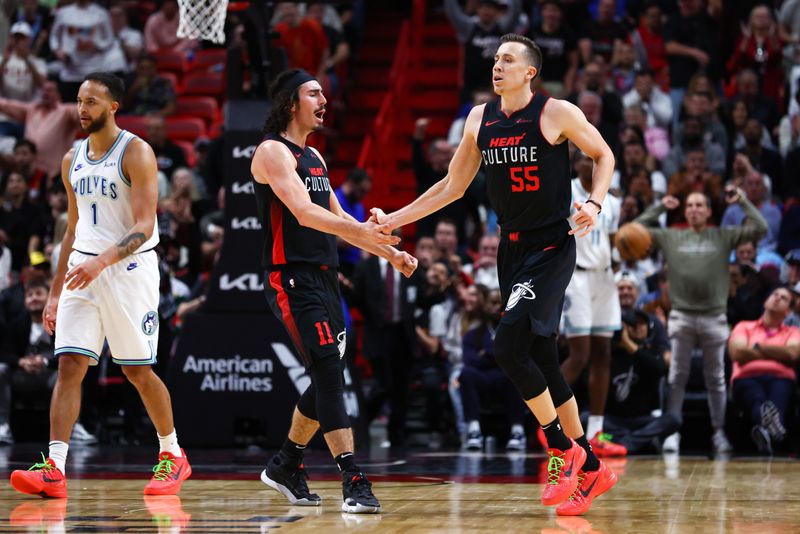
(594, 250)
(103, 196)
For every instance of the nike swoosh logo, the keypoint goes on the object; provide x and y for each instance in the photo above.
(177, 473)
(48, 479)
(568, 473)
(588, 491)
(489, 123)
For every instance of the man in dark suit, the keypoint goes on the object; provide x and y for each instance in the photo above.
(387, 303)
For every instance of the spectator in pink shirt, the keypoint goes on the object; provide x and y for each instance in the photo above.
(764, 353)
(49, 123)
(161, 30)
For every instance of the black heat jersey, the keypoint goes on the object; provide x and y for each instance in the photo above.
(285, 240)
(527, 178)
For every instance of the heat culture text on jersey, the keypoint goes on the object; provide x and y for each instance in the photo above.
(286, 241)
(527, 178)
(318, 181)
(504, 150)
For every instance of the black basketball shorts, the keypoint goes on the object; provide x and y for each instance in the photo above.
(308, 302)
(533, 278)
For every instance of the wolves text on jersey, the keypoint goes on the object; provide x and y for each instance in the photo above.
(95, 185)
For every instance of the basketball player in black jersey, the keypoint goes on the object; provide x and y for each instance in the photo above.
(521, 141)
(301, 217)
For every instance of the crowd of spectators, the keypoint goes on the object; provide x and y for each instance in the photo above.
(46, 49)
(699, 101)
(700, 104)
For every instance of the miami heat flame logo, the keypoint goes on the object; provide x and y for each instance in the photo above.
(520, 291)
(342, 339)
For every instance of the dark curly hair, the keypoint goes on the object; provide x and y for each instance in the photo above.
(282, 101)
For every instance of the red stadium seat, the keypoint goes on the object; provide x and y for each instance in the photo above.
(203, 84)
(201, 107)
(135, 124)
(212, 59)
(188, 152)
(171, 61)
(186, 129)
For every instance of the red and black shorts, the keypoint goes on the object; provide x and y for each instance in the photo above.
(306, 299)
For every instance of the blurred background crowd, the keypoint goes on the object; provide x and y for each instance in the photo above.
(693, 96)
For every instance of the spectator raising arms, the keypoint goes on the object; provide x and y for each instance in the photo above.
(699, 286)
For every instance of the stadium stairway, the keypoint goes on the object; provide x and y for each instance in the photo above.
(368, 88)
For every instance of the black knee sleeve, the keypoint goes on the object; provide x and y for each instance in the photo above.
(327, 380)
(544, 351)
(511, 344)
(307, 405)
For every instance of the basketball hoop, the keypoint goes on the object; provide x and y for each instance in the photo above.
(203, 19)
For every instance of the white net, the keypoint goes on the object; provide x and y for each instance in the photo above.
(203, 19)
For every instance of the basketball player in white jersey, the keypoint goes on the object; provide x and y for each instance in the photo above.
(106, 286)
(591, 308)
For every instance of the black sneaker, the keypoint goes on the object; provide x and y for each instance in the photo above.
(357, 494)
(290, 482)
(771, 420)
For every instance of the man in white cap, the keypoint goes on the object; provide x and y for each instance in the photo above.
(21, 73)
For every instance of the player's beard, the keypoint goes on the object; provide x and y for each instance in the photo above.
(97, 124)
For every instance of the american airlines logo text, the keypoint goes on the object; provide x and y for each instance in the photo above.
(246, 152)
(244, 282)
(248, 223)
(230, 374)
(239, 188)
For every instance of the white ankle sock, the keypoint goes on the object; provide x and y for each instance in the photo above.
(169, 443)
(58, 453)
(595, 426)
(474, 426)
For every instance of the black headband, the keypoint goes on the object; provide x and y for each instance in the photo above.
(296, 80)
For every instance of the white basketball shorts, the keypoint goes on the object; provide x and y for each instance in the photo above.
(121, 305)
(591, 304)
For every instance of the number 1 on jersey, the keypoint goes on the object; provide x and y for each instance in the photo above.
(94, 213)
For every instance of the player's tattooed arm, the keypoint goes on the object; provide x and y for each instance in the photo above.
(129, 244)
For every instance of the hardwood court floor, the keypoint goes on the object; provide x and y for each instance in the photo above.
(434, 492)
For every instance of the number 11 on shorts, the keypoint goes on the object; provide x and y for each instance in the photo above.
(325, 336)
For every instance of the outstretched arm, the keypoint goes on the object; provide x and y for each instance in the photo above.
(274, 165)
(463, 166)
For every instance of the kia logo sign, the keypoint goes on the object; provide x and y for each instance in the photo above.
(246, 152)
(244, 282)
(249, 223)
(239, 188)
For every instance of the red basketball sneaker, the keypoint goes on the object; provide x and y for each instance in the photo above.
(168, 474)
(592, 485)
(42, 479)
(562, 473)
(603, 447)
